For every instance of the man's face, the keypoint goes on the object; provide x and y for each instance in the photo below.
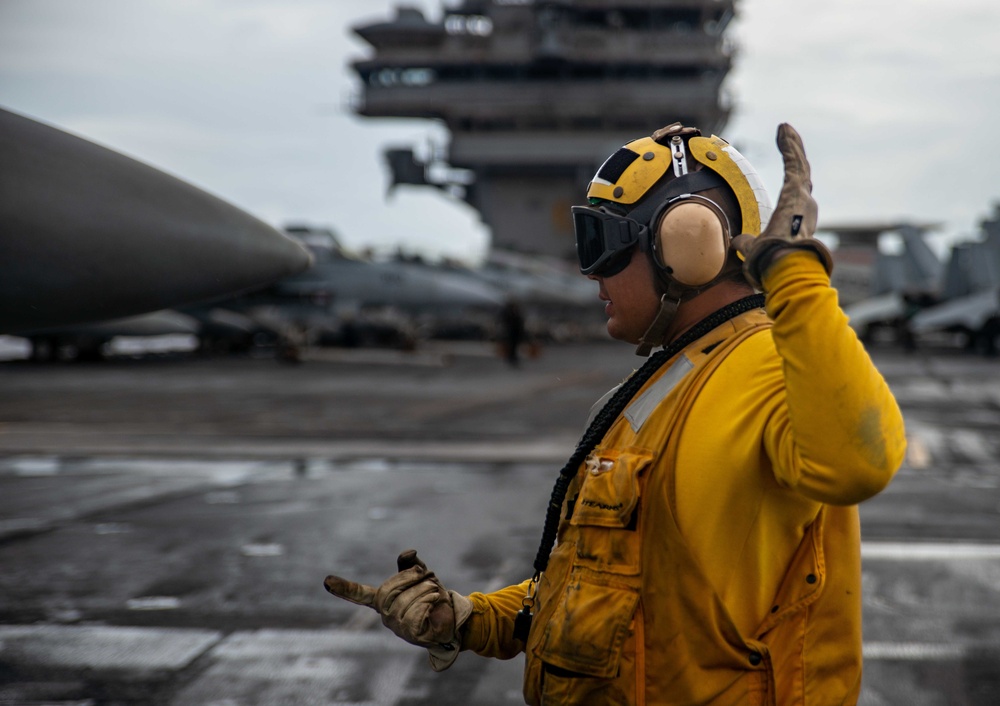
(632, 299)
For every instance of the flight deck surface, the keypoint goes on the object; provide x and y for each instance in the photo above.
(166, 523)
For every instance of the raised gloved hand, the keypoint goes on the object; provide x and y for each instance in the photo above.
(415, 606)
(794, 219)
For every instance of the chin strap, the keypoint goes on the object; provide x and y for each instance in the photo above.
(657, 330)
(674, 295)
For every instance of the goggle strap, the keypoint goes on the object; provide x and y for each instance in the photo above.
(628, 232)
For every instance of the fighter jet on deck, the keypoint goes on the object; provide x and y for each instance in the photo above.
(880, 289)
(969, 302)
(87, 234)
(556, 300)
(353, 282)
(347, 299)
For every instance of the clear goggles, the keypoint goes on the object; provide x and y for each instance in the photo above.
(604, 240)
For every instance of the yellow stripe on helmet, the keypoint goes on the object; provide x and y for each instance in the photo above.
(652, 163)
(726, 161)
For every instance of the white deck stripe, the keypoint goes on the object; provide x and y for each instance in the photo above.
(923, 651)
(928, 551)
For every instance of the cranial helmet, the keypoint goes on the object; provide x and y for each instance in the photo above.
(680, 197)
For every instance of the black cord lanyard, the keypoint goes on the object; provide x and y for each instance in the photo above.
(596, 431)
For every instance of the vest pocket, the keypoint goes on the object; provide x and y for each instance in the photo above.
(587, 631)
(605, 511)
(560, 690)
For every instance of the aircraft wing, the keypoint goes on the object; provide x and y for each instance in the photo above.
(970, 312)
(875, 310)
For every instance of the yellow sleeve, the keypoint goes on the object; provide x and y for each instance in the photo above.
(489, 631)
(843, 438)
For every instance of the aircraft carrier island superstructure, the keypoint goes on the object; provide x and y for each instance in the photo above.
(536, 94)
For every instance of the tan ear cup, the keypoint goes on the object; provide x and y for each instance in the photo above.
(692, 241)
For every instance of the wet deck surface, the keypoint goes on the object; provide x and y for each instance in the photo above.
(165, 525)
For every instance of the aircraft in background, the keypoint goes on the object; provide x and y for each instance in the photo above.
(556, 300)
(354, 282)
(95, 341)
(346, 299)
(969, 301)
(878, 289)
(91, 235)
(911, 294)
(351, 300)
(546, 283)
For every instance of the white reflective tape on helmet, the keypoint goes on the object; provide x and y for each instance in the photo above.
(764, 207)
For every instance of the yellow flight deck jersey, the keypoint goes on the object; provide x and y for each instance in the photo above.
(709, 547)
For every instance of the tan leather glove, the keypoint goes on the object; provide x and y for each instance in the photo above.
(415, 606)
(794, 219)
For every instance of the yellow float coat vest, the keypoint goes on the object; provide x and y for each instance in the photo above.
(709, 551)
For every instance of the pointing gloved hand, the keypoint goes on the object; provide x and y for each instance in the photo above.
(415, 606)
(794, 219)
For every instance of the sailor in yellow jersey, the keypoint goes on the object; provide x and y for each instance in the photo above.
(702, 543)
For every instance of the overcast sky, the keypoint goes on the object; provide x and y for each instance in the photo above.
(249, 99)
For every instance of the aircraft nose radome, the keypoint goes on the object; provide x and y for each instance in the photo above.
(89, 234)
